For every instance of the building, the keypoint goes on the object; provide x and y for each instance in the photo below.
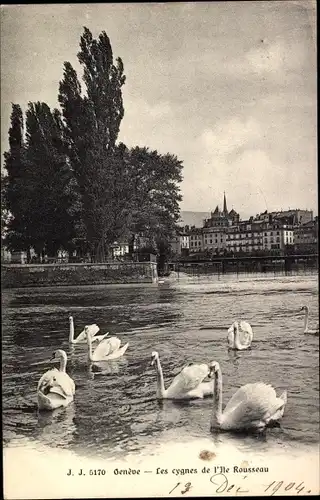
(292, 216)
(274, 232)
(254, 236)
(195, 239)
(306, 237)
(214, 239)
(185, 238)
(222, 218)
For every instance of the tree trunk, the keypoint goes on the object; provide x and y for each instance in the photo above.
(100, 253)
(28, 255)
(131, 244)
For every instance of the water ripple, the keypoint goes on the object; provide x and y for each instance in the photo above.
(115, 410)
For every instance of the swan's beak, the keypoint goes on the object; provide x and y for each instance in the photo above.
(153, 361)
(211, 372)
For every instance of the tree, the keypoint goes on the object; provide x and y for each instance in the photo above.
(16, 189)
(5, 214)
(92, 123)
(49, 179)
(155, 197)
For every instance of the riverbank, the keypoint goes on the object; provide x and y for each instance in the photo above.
(37, 275)
(248, 264)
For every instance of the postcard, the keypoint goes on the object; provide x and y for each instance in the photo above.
(159, 250)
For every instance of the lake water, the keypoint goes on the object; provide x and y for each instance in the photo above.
(115, 412)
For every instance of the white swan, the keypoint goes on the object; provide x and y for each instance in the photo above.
(107, 348)
(55, 387)
(188, 384)
(308, 330)
(240, 335)
(81, 339)
(252, 407)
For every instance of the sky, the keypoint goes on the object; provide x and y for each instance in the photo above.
(227, 87)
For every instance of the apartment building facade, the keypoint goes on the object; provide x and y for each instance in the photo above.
(195, 239)
(292, 216)
(306, 236)
(251, 236)
(214, 238)
(245, 236)
(224, 232)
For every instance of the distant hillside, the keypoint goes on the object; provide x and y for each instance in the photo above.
(189, 218)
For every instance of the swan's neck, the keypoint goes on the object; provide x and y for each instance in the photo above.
(63, 362)
(89, 342)
(306, 320)
(217, 400)
(71, 331)
(160, 381)
(237, 343)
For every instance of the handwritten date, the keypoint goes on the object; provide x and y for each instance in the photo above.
(223, 485)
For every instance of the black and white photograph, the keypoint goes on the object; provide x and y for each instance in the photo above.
(159, 249)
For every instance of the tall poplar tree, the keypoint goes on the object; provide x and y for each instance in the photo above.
(49, 180)
(92, 123)
(17, 192)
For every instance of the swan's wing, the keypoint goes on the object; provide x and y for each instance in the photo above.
(230, 330)
(99, 338)
(245, 326)
(72, 385)
(252, 403)
(246, 333)
(46, 378)
(56, 381)
(115, 344)
(93, 329)
(190, 377)
(230, 337)
(107, 346)
(63, 384)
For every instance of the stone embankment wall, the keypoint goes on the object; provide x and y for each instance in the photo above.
(28, 275)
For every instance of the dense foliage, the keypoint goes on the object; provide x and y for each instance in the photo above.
(70, 185)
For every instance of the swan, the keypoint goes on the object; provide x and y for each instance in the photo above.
(55, 387)
(252, 407)
(188, 384)
(81, 339)
(306, 322)
(107, 349)
(240, 335)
